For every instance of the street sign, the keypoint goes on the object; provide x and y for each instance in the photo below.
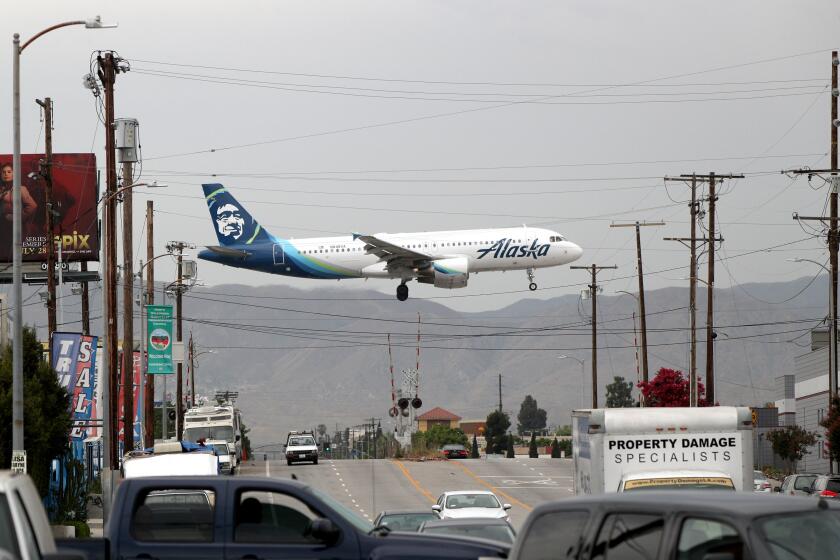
(160, 342)
(19, 461)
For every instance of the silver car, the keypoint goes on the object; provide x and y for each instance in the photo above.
(797, 484)
(761, 483)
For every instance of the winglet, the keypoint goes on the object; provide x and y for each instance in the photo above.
(356, 236)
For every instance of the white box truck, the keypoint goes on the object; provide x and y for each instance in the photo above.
(630, 449)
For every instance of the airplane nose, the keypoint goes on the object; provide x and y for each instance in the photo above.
(574, 252)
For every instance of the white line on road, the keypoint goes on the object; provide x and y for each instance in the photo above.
(267, 473)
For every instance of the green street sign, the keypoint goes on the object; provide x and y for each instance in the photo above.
(159, 344)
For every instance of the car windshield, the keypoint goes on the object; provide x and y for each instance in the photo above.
(459, 501)
(296, 441)
(758, 475)
(406, 521)
(209, 432)
(454, 447)
(492, 532)
(813, 535)
(693, 483)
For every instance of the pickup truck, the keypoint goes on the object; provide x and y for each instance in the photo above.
(682, 525)
(24, 529)
(250, 518)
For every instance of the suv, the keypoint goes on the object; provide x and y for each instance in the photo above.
(301, 446)
(826, 486)
(797, 484)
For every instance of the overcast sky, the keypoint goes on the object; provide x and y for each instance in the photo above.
(389, 116)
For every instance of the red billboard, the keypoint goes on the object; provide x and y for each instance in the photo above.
(74, 204)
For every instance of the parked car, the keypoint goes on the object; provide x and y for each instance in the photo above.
(492, 529)
(826, 486)
(455, 451)
(761, 483)
(253, 517)
(682, 525)
(223, 454)
(797, 484)
(404, 520)
(470, 503)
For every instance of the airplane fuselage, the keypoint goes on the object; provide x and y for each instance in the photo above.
(346, 257)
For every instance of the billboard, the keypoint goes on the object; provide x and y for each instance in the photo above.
(74, 207)
(73, 359)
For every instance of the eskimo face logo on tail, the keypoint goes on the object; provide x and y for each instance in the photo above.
(505, 249)
(229, 221)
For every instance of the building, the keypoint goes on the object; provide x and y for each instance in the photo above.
(810, 399)
(474, 427)
(438, 417)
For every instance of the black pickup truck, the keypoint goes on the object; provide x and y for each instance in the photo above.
(249, 518)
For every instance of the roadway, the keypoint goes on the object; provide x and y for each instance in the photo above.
(370, 486)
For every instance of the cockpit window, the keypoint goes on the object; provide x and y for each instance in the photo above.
(555, 238)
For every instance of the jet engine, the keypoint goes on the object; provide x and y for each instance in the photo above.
(446, 273)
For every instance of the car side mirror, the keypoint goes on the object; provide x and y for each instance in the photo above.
(507, 506)
(436, 508)
(324, 530)
(808, 490)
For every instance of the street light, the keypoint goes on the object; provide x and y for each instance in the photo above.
(193, 367)
(635, 343)
(582, 374)
(17, 272)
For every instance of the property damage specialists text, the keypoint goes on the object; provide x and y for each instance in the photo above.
(672, 450)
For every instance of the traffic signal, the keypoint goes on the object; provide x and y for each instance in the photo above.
(402, 403)
(171, 414)
(416, 402)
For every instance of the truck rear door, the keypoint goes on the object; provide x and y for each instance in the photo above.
(181, 520)
(272, 522)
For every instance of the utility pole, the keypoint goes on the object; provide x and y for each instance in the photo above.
(693, 179)
(179, 246)
(46, 174)
(192, 371)
(593, 293)
(85, 303)
(149, 299)
(107, 71)
(500, 392)
(643, 321)
(128, 311)
(832, 177)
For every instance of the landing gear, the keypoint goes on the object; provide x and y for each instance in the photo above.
(533, 285)
(402, 292)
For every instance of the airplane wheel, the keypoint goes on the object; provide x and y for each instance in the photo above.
(532, 286)
(402, 292)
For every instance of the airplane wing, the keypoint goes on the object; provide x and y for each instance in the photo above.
(394, 255)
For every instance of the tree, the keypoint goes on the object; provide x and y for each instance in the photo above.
(532, 447)
(474, 454)
(322, 429)
(510, 454)
(791, 442)
(246, 442)
(619, 393)
(496, 435)
(831, 423)
(46, 411)
(670, 388)
(565, 430)
(555, 449)
(437, 436)
(531, 418)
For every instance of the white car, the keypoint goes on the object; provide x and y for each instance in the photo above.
(761, 483)
(471, 503)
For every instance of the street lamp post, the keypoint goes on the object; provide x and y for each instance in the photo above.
(582, 374)
(17, 265)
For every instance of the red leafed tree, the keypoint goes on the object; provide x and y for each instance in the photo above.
(670, 387)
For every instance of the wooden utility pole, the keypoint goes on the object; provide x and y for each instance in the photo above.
(643, 321)
(500, 392)
(593, 294)
(85, 303)
(179, 380)
(191, 350)
(46, 175)
(107, 75)
(149, 299)
(128, 311)
(832, 177)
(692, 179)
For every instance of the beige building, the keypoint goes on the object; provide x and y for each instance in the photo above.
(438, 417)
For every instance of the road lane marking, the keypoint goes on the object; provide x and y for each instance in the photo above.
(494, 489)
(413, 481)
(267, 473)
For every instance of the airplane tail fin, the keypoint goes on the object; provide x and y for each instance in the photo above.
(234, 225)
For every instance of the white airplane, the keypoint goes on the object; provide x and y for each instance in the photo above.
(442, 258)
